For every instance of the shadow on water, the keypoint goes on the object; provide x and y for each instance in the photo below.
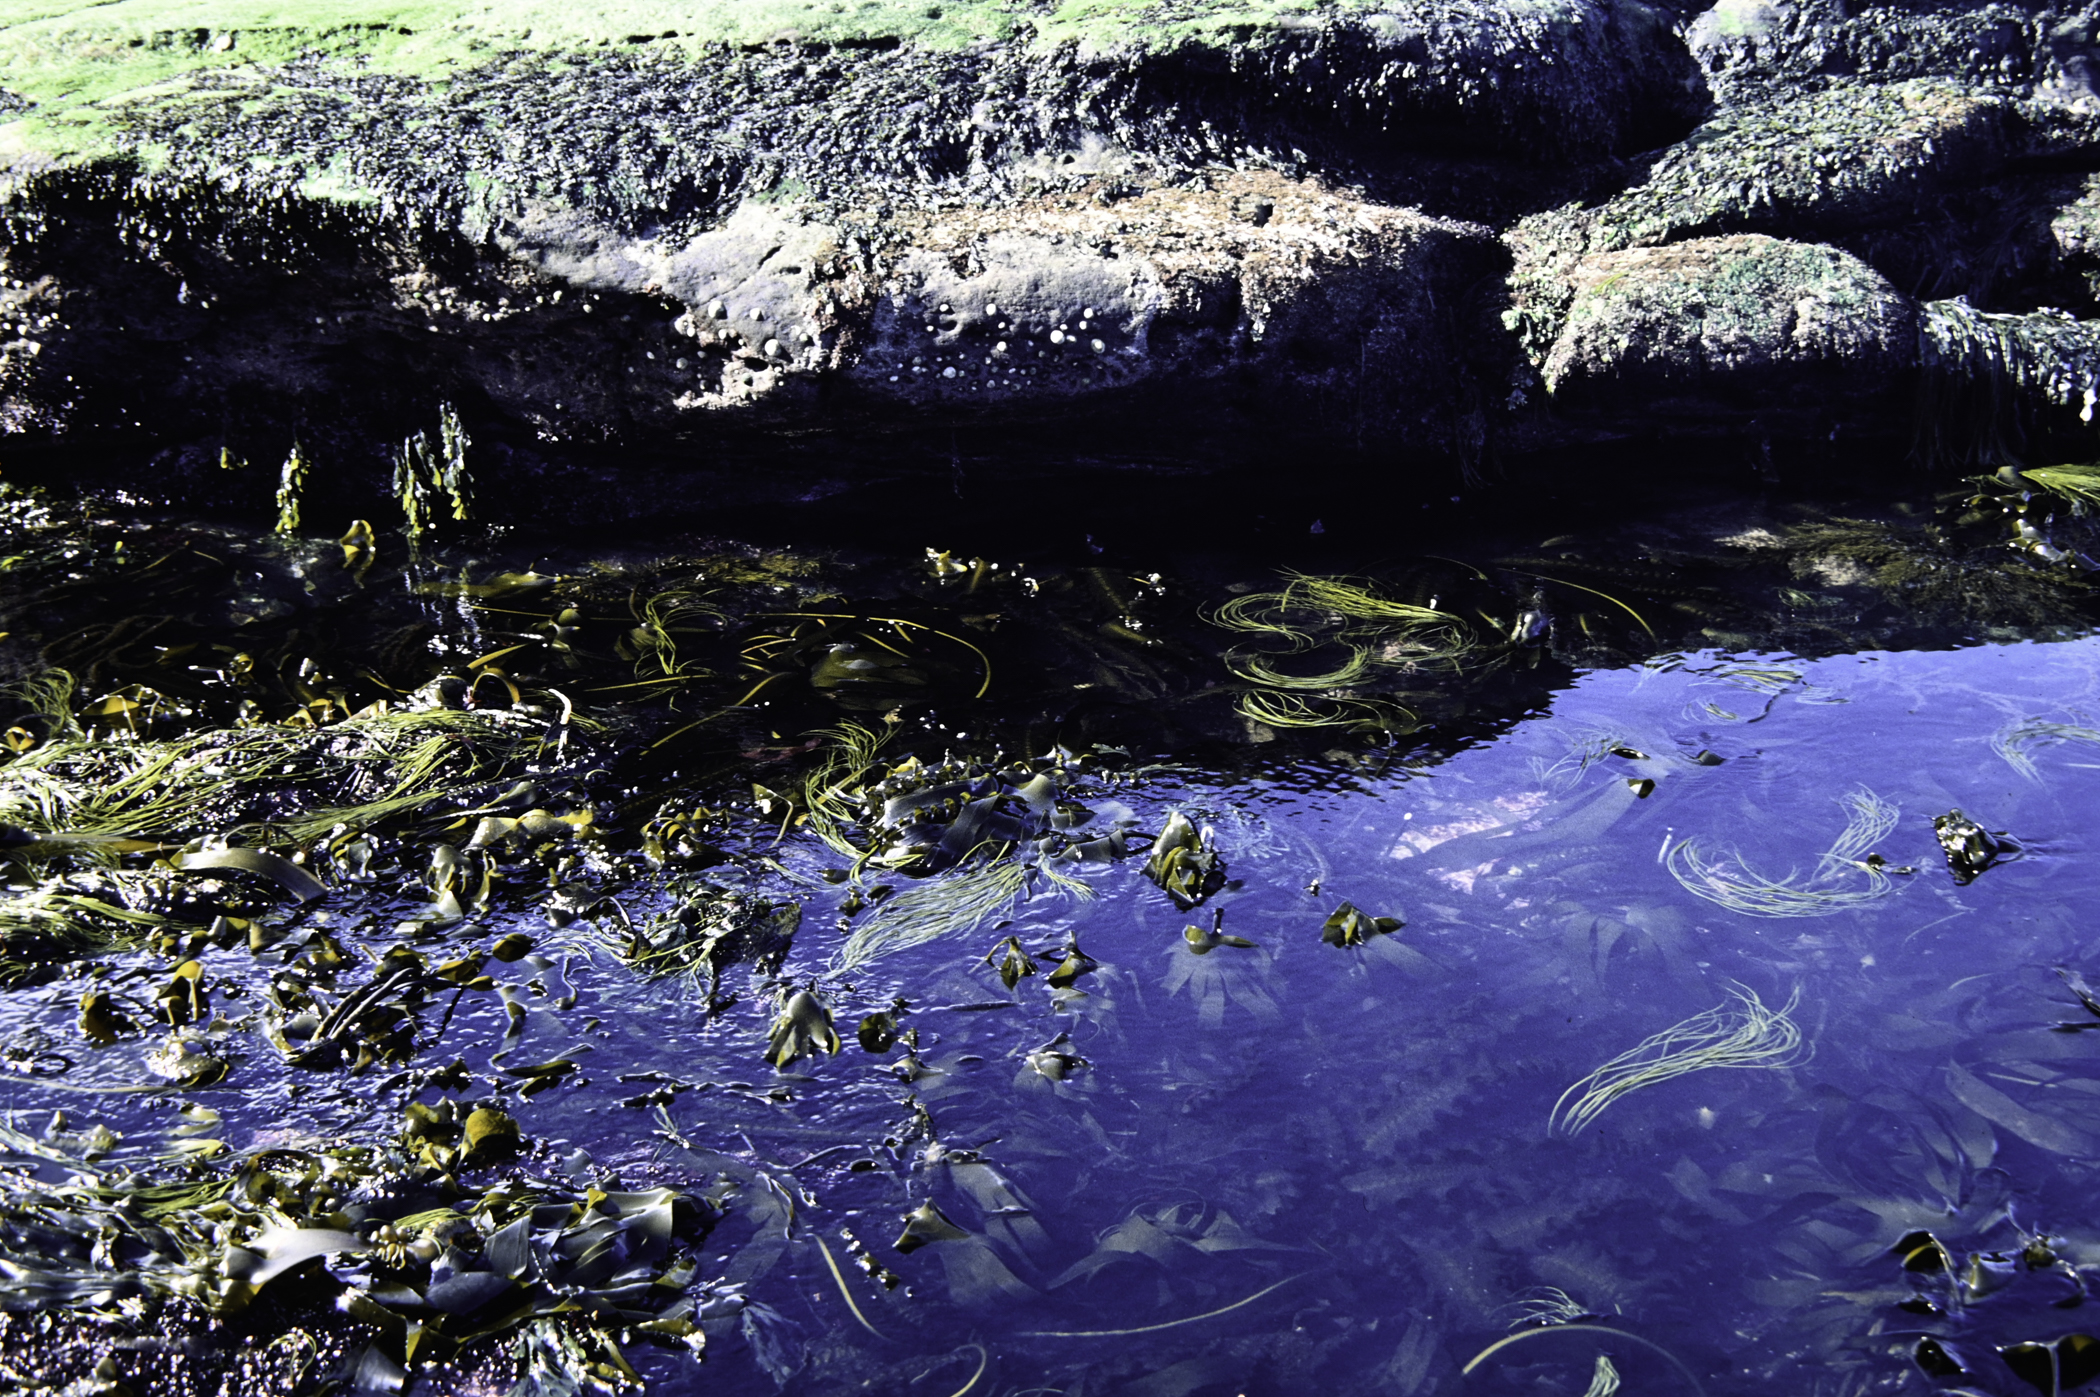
(1019, 925)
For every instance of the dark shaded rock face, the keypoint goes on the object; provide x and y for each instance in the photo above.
(1436, 227)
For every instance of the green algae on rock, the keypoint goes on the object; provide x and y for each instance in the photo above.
(1746, 317)
(273, 232)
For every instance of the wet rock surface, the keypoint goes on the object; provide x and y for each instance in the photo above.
(1455, 230)
(1742, 324)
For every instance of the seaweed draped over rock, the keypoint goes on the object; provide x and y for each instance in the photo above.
(1988, 378)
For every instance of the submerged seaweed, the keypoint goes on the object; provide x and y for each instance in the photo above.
(2018, 741)
(1739, 888)
(1744, 1034)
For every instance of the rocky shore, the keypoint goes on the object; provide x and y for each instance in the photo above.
(1431, 232)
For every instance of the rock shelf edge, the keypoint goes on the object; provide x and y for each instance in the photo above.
(1428, 232)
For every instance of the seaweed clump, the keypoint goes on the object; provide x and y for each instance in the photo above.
(982, 833)
(381, 1237)
(1745, 1034)
(1736, 886)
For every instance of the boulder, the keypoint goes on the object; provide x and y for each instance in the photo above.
(2074, 233)
(1846, 162)
(1741, 327)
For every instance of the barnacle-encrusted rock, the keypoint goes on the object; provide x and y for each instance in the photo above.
(1746, 48)
(1317, 305)
(1809, 166)
(1744, 323)
(1320, 303)
(747, 224)
(2075, 232)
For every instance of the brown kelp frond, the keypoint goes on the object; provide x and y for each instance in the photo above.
(1744, 1033)
(1736, 886)
(217, 1228)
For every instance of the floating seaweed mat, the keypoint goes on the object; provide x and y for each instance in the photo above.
(392, 762)
(1745, 1033)
(1739, 888)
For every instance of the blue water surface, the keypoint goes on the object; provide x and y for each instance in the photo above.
(1302, 1167)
